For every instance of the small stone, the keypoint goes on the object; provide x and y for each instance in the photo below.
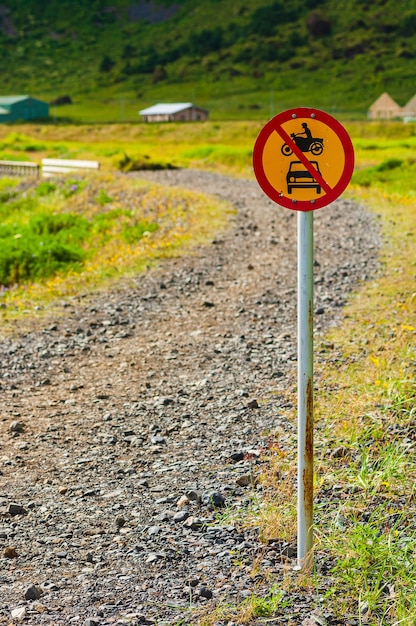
(183, 501)
(10, 553)
(193, 522)
(17, 427)
(19, 613)
(38, 607)
(165, 516)
(204, 592)
(245, 480)
(120, 521)
(157, 440)
(213, 498)
(152, 557)
(33, 593)
(193, 495)
(237, 456)
(153, 530)
(16, 509)
(91, 622)
(180, 516)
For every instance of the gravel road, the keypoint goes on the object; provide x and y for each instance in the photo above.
(131, 419)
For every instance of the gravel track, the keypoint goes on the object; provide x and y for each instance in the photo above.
(131, 418)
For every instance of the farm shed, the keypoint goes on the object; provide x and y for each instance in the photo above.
(14, 108)
(409, 110)
(384, 108)
(174, 112)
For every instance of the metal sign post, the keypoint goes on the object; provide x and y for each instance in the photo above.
(303, 160)
(305, 388)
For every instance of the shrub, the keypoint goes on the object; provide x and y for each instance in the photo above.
(24, 261)
(106, 64)
(142, 162)
(47, 244)
(389, 164)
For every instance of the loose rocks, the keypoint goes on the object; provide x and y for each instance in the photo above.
(146, 410)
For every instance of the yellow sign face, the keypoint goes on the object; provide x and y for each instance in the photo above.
(303, 159)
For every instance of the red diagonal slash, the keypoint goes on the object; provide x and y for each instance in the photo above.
(300, 155)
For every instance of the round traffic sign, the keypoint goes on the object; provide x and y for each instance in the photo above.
(303, 159)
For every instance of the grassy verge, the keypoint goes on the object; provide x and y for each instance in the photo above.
(366, 436)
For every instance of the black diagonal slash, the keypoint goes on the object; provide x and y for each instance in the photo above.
(308, 165)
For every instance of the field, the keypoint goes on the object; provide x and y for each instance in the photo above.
(366, 396)
(240, 60)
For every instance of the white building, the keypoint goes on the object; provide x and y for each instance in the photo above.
(174, 112)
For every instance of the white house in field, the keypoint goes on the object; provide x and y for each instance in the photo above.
(174, 112)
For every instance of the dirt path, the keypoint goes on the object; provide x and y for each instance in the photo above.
(168, 387)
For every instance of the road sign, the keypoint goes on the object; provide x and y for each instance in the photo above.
(303, 159)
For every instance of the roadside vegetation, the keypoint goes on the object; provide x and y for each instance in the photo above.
(65, 236)
(366, 436)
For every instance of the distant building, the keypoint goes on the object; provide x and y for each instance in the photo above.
(384, 108)
(15, 108)
(409, 110)
(174, 112)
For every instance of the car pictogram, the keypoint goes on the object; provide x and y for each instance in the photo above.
(300, 178)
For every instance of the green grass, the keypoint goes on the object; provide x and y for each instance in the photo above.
(392, 175)
(40, 248)
(240, 60)
(372, 416)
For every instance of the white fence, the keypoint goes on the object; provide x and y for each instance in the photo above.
(54, 167)
(18, 168)
(48, 167)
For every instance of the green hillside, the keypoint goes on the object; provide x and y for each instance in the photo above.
(239, 58)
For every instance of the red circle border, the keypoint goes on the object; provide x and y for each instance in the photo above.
(278, 120)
